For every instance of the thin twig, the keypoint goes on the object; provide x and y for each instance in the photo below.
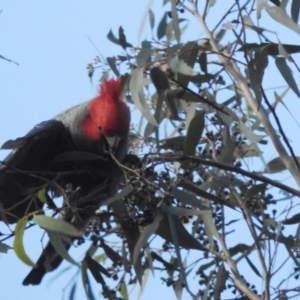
(252, 175)
(271, 108)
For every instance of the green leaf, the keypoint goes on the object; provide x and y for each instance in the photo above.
(122, 38)
(159, 116)
(253, 267)
(56, 239)
(182, 94)
(186, 240)
(125, 192)
(175, 143)
(226, 155)
(56, 225)
(136, 89)
(270, 48)
(203, 61)
(100, 257)
(112, 64)
(112, 254)
(151, 19)
(117, 41)
(172, 51)
(248, 23)
(123, 291)
(287, 74)
(159, 79)
(279, 15)
(175, 239)
(77, 156)
(96, 269)
(239, 248)
(220, 284)
(4, 248)
(179, 66)
(256, 189)
(219, 35)
(143, 57)
(162, 86)
(283, 52)
(202, 193)
(295, 9)
(132, 234)
(256, 68)
(175, 21)
(145, 234)
(188, 53)
(72, 291)
(194, 133)
(293, 220)
(276, 165)
(42, 195)
(18, 242)
(210, 227)
(161, 29)
(180, 211)
(86, 282)
(247, 131)
(279, 99)
(112, 38)
(186, 198)
(246, 150)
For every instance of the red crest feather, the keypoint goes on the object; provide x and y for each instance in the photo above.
(107, 111)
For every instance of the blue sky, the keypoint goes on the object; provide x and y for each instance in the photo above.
(49, 41)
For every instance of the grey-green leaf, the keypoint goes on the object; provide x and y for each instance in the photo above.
(136, 89)
(112, 63)
(194, 133)
(279, 15)
(122, 38)
(175, 21)
(58, 244)
(4, 248)
(180, 66)
(220, 284)
(295, 8)
(145, 234)
(161, 29)
(276, 165)
(151, 19)
(56, 225)
(286, 72)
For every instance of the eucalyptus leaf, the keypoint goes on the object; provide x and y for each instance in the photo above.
(151, 19)
(194, 133)
(276, 165)
(175, 21)
(136, 89)
(57, 225)
(280, 15)
(161, 29)
(295, 9)
(286, 73)
(179, 66)
(57, 241)
(112, 63)
(145, 234)
(18, 242)
(221, 278)
(4, 248)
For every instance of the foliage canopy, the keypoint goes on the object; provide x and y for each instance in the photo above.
(196, 206)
